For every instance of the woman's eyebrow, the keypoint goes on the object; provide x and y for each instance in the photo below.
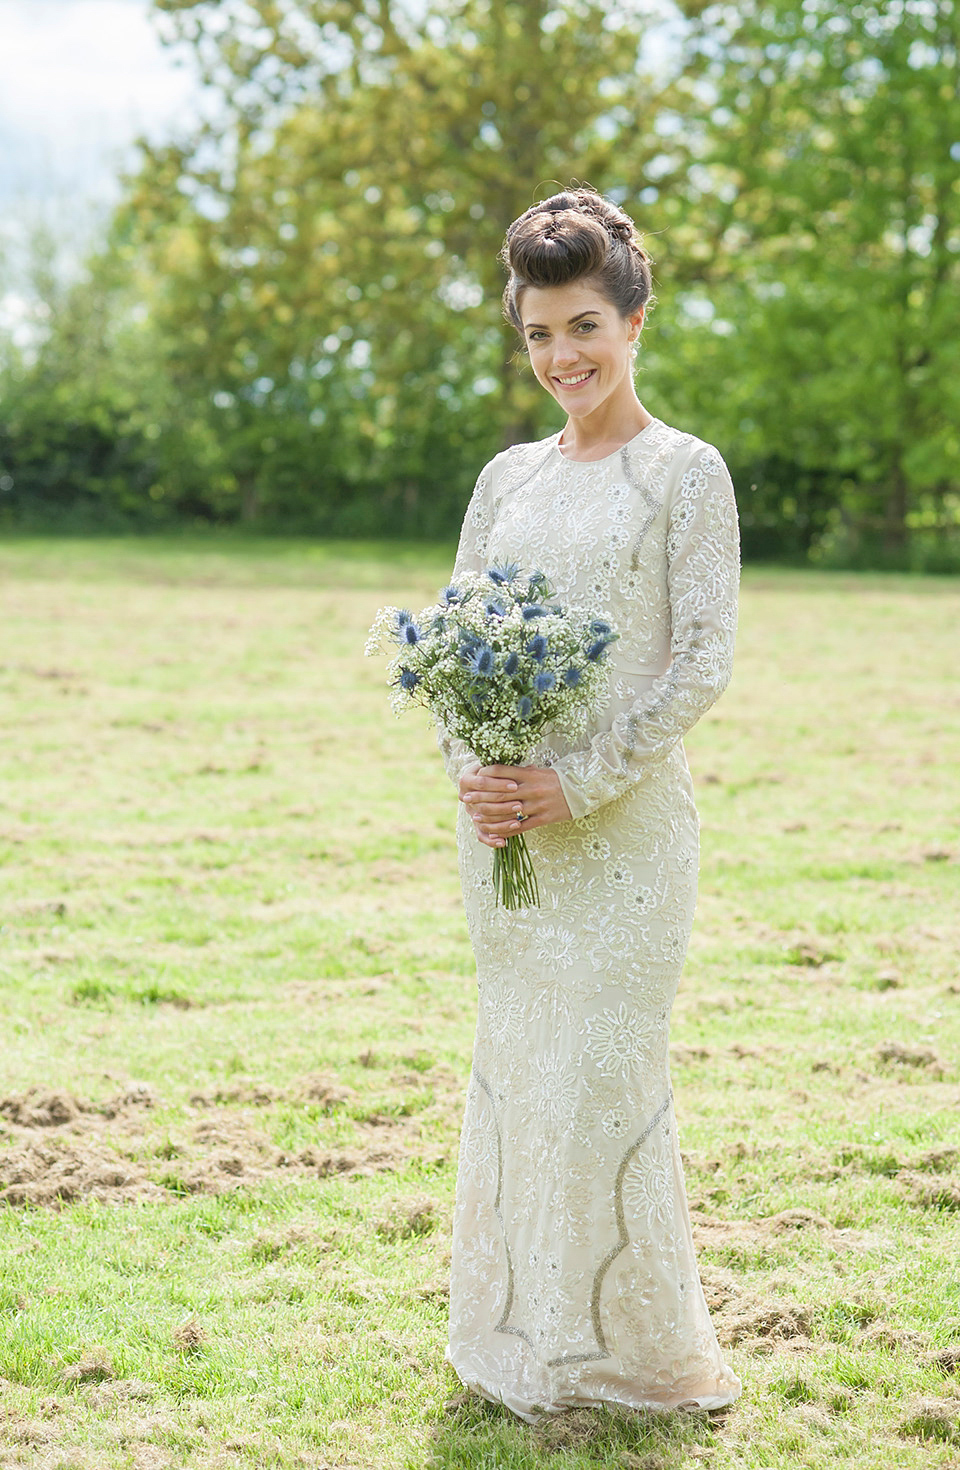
(591, 311)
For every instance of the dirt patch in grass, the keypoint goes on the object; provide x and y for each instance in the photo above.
(189, 1336)
(40, 1107)
(930, 1193)
(922, 1058)
(95, 1366)
(719, 1286)
(897, 1339)
(57, 1172)
(710, 1232)
(763, 1323)
(418, 1215)
(929, 1418)
(65, 1148)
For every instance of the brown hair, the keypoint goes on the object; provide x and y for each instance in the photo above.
(571, 236)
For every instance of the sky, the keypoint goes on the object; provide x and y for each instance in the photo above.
(79, 79)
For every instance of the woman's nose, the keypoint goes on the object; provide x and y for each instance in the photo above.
(565, 353)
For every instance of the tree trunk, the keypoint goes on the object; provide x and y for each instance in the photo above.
(895, 511)
(249, 499)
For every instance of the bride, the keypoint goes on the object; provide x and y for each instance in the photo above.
(574, 1279)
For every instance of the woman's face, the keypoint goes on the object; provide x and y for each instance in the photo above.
(579, 344)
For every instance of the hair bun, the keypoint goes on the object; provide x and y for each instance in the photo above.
(574, 234)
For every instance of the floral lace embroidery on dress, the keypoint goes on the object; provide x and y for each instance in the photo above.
(574, 1279)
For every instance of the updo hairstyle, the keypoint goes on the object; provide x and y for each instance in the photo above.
(574, 235)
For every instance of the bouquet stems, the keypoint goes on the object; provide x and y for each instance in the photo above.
(514, 879)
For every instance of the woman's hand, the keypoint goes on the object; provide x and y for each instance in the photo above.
(493, 795)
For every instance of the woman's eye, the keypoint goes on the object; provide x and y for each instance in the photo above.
(588, 326)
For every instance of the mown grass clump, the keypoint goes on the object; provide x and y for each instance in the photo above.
(236, 1004)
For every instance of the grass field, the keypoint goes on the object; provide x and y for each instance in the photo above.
(236, 1007)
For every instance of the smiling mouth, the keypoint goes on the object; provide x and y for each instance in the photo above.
(573, 380)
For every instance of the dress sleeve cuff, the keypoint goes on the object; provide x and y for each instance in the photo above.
(579, 807)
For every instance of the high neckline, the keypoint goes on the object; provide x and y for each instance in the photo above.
(613, 453)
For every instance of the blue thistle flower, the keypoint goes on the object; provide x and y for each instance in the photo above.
(524, 706)
(480, 660)
(597, 649)
(534, 610)
(544, 681)
(537, 647)
(572, 677)
(449, 596)
(599, 628)
(495, 608)
(503, 575)
(403, 617)
(510, 664)
(409, 680)
(410, 633)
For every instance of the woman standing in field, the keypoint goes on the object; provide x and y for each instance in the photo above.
(574, 1279)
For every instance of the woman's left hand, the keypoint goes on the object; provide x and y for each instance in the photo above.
(538, 795)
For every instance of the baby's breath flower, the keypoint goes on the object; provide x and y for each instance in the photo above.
(471, 660)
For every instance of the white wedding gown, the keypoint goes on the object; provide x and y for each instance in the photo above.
(574, 1279)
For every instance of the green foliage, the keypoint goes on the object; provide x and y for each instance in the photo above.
(824, 266)
(294, 321)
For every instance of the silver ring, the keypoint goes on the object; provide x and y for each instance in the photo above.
(520, 815)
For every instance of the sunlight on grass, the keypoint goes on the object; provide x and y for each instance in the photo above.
(236, 1002)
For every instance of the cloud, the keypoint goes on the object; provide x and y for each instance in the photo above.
(78, 80)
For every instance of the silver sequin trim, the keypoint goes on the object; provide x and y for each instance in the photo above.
(623, 1237)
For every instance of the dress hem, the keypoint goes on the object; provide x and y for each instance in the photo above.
(532, 1413)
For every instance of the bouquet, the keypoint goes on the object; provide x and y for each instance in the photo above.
(497, 661)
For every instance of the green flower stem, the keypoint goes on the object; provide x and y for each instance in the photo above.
(514, 878)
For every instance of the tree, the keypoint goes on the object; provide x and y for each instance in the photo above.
(326, 249)
(821, 183)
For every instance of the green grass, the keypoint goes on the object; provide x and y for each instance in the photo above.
(236, 1005)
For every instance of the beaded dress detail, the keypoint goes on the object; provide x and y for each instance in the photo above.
(574, 1279)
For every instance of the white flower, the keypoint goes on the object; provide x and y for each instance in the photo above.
(616, 1122)
(619, 1041)
(618, 874)
(598, 848)
(554, 1089)
(556, 946)
(639, 901)
(478, 1156)
(503, 1010)
(693, 483)
(648, 1190)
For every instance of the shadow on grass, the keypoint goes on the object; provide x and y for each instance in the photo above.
(476, 1435)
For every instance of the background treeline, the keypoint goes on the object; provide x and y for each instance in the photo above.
(293, 321)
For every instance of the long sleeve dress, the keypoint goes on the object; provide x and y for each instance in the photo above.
(573, 1278)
